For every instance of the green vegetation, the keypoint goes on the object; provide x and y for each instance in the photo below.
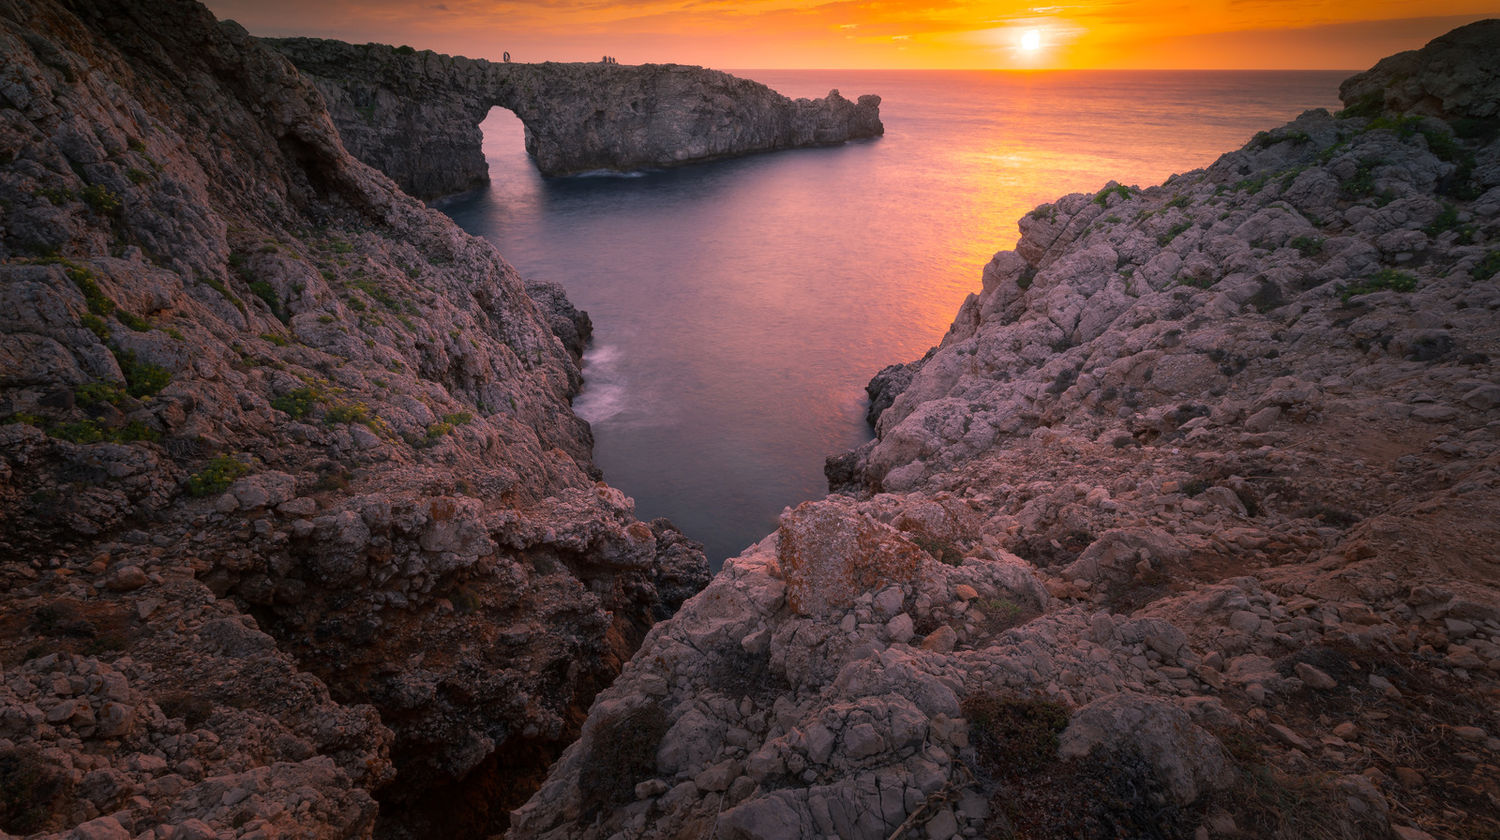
(137, 176)
(56, 196)
(1307, 245)
(95, 325)
(404, 50)
(135, 322)
(1102, 197)
(98, 303)
(102, 199)
(376, 293)
(275, 338)
(1252, 185)
(1044, 212)
(1446, 220)
(1368, 105)
(1196, 281)
(299, 402)
(1181, 201)
(1172, 233)
(1001, 614)
(442, 427)
(94, 431)
(1386, 279)
(266, 292)
(142, 379)
(1486, 268)
(351, 412)
(218, 285)
(96, 394)
(1362, 183)
(217, 475)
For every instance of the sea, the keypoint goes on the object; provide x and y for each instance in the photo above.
(741, 306)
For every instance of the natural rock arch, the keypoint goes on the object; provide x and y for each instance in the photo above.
(415, 115)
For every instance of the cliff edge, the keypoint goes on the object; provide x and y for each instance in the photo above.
(1187, 528)
(415, 114)
(298, 533)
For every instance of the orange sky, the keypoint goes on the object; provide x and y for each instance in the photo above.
(1260, 34)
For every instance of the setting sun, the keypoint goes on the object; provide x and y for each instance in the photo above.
(956, 34)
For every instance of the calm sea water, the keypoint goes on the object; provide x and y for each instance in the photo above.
(741, 306)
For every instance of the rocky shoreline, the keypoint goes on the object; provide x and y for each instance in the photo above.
(415, 115)
(299, 536)
(1187, 529)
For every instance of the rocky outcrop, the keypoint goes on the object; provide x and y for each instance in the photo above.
(571, 325)
(1439, 80)
(1181, 531)
(415, 115)
(298, 533)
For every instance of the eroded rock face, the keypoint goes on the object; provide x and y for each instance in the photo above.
(295, 518)
(415, 116)
(1440, 80)
(1200, 494)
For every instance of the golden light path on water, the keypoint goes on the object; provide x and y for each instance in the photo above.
(740, 307)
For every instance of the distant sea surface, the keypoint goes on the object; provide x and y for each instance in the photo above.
(740, 307)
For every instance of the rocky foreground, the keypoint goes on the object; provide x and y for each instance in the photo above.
(415, 115)
(299, 536)
(1190, 527)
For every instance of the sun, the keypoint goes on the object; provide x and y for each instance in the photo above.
(1031, 40)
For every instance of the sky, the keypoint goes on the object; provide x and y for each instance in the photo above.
(885, 34)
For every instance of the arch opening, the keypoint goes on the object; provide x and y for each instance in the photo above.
(512, 170)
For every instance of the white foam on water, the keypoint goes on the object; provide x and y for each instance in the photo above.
(604, 395)
(609, 173)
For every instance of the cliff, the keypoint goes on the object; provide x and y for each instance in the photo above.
(298, 533)
(415, 115)
(1186, 529)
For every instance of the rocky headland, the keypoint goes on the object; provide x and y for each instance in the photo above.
(415, 115)
(1189, 528)
(299, 536)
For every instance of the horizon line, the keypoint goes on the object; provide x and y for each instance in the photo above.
(1019, 69)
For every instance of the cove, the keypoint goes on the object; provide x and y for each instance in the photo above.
(741, 306)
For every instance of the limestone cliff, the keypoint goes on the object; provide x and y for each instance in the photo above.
(1187, 528)
(415, 115)
(295, 518)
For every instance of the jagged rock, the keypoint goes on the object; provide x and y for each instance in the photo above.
(571, 325)
(1440, 80)
(242, 373)
(416, 116)
(830, 554)
(1206, 457)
